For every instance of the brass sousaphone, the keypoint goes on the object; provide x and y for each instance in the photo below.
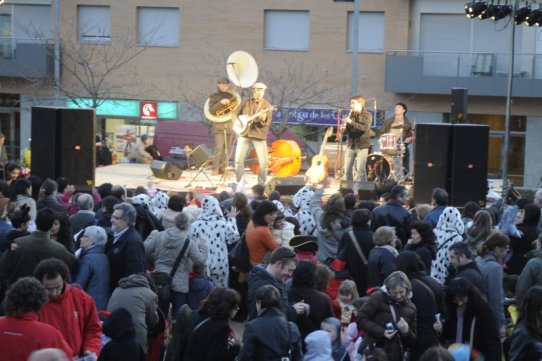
(242, 71)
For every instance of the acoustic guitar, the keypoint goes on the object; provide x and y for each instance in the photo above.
(318, 170)
(241, 125)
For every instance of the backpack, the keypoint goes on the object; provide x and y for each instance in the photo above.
(239, 256)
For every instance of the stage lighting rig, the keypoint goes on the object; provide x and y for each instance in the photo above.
(476, 9)
(498, 12)
(535, 18)
(522, 14)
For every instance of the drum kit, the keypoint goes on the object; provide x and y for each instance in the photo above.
(389, 163)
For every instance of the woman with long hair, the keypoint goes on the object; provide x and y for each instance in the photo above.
(211, 336)
(526, 341)
(422, 241)
(240, 202)
(469, 319)
(21, 192)
(331, 224)
(259, 236)
(481, 228)
(61, 231)
(523, 244)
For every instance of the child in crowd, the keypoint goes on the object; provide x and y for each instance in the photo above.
(123, 346)
(343, 305)
(333, 326)
(199, 287)
(352, 336)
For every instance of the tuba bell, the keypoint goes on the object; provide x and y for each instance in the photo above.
(223, 114)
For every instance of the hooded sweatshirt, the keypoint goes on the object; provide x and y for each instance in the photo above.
(119, 327)
(318, 346)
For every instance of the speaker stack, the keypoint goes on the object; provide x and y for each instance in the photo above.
(453, 157)
(285, 185)
(63, 144)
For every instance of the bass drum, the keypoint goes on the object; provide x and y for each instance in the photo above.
(379, 166)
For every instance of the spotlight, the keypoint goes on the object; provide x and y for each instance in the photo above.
(522, 14)
(535, 18)
(476, 9)
(498, 12)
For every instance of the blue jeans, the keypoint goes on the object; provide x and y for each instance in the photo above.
(360, 155)
(243, 146)
(177, 299)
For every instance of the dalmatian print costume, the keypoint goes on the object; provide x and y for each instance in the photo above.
(448, 231)
(302, 201)
(219, 231)
(159, 203)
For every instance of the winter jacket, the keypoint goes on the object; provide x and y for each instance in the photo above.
(209, 341)
(93, 274)
(375, 314)
(219, 232)
(199, 288)
(318, 347)
(119, 327)
(167, 217)
(347, 252)
(267, 338)
(531, 274)
(524, 346)
(283, 236)
(135, 295)
(126, 256)
(74, 315)
(393, 214)
(328, 238)
(427, 253)
(166, 246)
(259, 241)
(520, 246)
(381, 265)
(258, 277)
(20, 336)
(469, 271)
(433, 216)
(320, 308)
(52, 203)
(492, 274)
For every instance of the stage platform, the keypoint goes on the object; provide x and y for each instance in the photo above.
(131, 175)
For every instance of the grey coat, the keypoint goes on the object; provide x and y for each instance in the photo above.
(135, 295)
(328, 239)
(531, 274)
(166, 246)
(492, 274)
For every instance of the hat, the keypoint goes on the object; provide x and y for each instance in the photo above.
(259, 86)
(223, 80)
(144, 137)
(304, 243)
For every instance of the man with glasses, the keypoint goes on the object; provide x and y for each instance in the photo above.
(69, 309)
(125, 251)
(393, 214)
(32, 249)
(282, 264)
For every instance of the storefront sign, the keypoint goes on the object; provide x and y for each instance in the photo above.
(148, 110)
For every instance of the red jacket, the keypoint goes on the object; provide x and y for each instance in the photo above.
(74, 315)
(19, 337)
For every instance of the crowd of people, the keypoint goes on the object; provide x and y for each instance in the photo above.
(145, 274)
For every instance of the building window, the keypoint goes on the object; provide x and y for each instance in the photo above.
(94, 24)
(286, 30)
(158, 26)
(6, 49)
(370, 32)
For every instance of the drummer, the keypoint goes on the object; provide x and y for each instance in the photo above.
(401, 129)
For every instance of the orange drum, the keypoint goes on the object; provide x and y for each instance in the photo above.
(284, 158)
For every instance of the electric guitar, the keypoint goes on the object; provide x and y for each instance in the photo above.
(242, 124)
(318, 170)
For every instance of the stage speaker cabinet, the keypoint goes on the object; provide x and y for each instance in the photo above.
(285, 185)
(63, 144)
(165, 170)
(366, 190)
(431, 160)
(459, 105)
(470, 144)
(200, 155)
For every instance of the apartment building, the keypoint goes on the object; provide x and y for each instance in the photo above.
(120, 55)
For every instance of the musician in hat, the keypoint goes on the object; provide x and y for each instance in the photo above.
(305, 247)
(401, 128)
(257, 112)
(223, 131)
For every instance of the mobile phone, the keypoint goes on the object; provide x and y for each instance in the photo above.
(389, 326)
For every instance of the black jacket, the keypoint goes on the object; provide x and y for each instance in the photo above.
(393, 214)
(470, 272)
(126, 256)
(123, 346)
(427, 252)
(268, 338)
(520, 246)
(347, 252)
(381, 265)
(320, 308)
(209, 342)
(524, 347)
(258, 277)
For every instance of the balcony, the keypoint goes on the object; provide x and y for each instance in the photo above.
(483, 74)
(26, 58)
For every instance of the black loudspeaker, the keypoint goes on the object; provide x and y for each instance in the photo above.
(366, 190)
(63, 144)
(459, 105)
(285, 185)
(165, 170)
(200, 155)
(431, 160)
(469, 164)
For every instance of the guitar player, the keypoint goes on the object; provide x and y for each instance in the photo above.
(356, 126)
(257, 132)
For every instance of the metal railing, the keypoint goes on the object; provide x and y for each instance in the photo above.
(8, 45)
